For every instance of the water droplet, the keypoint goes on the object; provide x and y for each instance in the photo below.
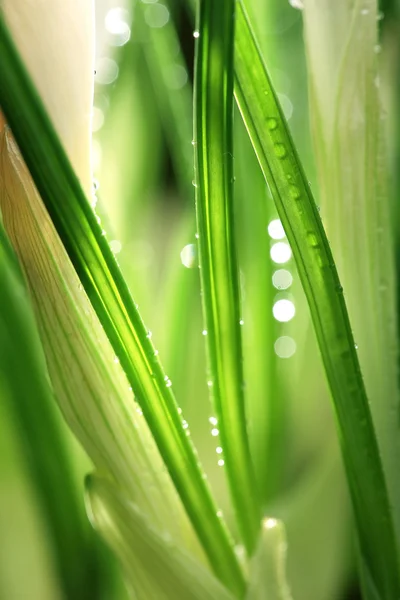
(282, 279)
(356, 346)
(139, 411)
(169, 383)
(107, 71)
(312, 239)
(241, 322)
(204, 332)
(280, 150)
(377, 49)
(297, 4)
(286, 105)
(272, 124)
(156, 15)
(240, 552)
(221, 462)
(115, 246)
(213, 420)
(283, 310)
(155, 352)
(270, 523)
(214, 432)
(294, 192)
(209, 383)
(364, 11)
(130, 388)
(218, 450)
(276, 230)
(189, 256)
(80, 287)
(196, 235)
(194, 142)
(196, 34)
(285, 347)
(116, 359)
(194, 184)
(185, 424)
(280, 252)
(219, 514)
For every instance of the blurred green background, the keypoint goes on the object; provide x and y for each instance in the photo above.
(143, 169)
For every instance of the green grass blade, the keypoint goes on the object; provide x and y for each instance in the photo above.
(299, 215)
(217, 252)
(99, 273)
(144, 552)
(23, 372)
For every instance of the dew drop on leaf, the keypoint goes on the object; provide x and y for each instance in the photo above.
(280, 150)
(272, 124)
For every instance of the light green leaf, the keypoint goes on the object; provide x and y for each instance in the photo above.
(156, 567)
(27, 397)
(267, 579)
(348, 129)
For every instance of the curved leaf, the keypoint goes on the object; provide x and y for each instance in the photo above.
(155, 565)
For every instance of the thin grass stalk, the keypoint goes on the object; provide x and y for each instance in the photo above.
(213, 104)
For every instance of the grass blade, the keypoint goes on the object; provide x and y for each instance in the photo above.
(217, 252)
(346, 113)
(144, 551)
(299, 215)
(267, 567)
(99, 273)
(41, 435)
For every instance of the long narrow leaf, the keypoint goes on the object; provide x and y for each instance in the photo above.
(217, 252)
(32, 410)
(299, 215)
(137, 543)
(346, 113)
